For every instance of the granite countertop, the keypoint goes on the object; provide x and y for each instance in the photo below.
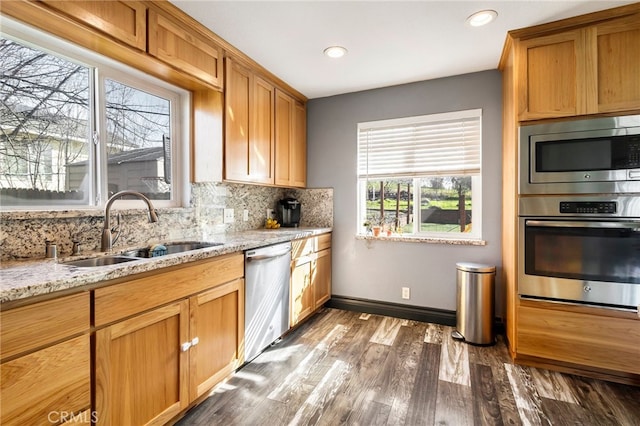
(23, 279)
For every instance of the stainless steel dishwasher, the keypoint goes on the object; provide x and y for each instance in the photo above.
(266, 318)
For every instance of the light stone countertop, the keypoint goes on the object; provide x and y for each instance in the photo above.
(23, 279)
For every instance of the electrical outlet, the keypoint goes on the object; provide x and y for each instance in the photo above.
(271, 214)
(406, 293)
(228, 216)
(245, 215)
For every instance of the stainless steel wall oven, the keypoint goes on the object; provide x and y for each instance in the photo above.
(584, 259)
(579, 212)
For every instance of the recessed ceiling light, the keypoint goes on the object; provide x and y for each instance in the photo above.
(482, 17)
(335, 51)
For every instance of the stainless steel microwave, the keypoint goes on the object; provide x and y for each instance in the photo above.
(587, 156)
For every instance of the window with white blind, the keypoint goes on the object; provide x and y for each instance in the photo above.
(421, 175)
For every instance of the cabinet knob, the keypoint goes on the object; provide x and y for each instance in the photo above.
(185, 346)
(195, 341)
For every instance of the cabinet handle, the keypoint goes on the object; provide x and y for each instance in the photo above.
(185, 346)
(195, 341)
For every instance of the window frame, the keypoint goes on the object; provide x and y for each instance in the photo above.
(102, 67)
(476, 183)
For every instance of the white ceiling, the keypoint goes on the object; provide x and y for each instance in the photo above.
(388, 42)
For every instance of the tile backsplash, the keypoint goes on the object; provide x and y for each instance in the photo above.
(22, 234)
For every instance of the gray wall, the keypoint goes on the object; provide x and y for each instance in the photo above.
(376, 270)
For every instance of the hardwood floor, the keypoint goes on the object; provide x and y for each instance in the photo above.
(348, 368)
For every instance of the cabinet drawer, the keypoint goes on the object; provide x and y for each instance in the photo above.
(579, 338)
(33, 326)
(150, 291)
(306, 246)
(324, 242)
(52, 381)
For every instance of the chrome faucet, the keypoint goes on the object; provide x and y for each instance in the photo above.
(107, 232)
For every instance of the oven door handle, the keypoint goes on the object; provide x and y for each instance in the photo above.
(634, 226)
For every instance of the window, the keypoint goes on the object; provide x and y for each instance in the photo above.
(75, 129)
(421, 175)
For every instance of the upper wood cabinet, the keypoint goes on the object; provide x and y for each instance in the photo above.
(265, 131)
(290, 135)
(182, 47)
(123, 20)
(583, 71)
(617, 45)
(249, 126)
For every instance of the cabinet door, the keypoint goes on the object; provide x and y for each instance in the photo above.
(302, 297)
(552, 70)
(284, 136)
(236, 117)
(322, 278)
(141, 370)
(122, 20)
(183, 48)
(299, 147)
(617, 68)
(217, 331)
(261, 146)
(249, 126)
(47, 386)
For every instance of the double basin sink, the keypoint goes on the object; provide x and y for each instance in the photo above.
(140, 253)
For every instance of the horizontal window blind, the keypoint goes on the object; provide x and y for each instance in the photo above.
(437, 144)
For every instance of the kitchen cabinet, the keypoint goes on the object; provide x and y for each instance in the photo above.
(587, 70)
(579, 66)
(585, 336)
(217, 328)
(265, 133)
(184, 48)
(290, 136)
(178, 335)
(46, 362)
(249, 131)
(310, 276)
(126, 21)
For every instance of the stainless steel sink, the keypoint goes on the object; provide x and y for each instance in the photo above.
(98, 261)
(172, 248)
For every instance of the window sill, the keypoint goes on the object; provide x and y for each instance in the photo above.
(427, 240)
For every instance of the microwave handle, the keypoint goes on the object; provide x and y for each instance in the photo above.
(635, 226)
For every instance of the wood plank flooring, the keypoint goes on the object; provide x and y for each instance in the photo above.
(348, 368)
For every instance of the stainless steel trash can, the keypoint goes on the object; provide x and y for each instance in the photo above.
(475, 308)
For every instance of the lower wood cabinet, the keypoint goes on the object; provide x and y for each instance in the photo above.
(152, 365)
(310, 276)
(46, 363)
(579, 338)
(141, 371)
(217, 334)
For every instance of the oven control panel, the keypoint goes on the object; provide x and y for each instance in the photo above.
(588, 207)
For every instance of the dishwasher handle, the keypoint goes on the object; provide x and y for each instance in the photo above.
(251, 257)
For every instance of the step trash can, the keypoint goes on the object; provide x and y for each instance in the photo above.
(475, 308)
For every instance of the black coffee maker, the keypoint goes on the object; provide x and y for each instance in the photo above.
(289, 212)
